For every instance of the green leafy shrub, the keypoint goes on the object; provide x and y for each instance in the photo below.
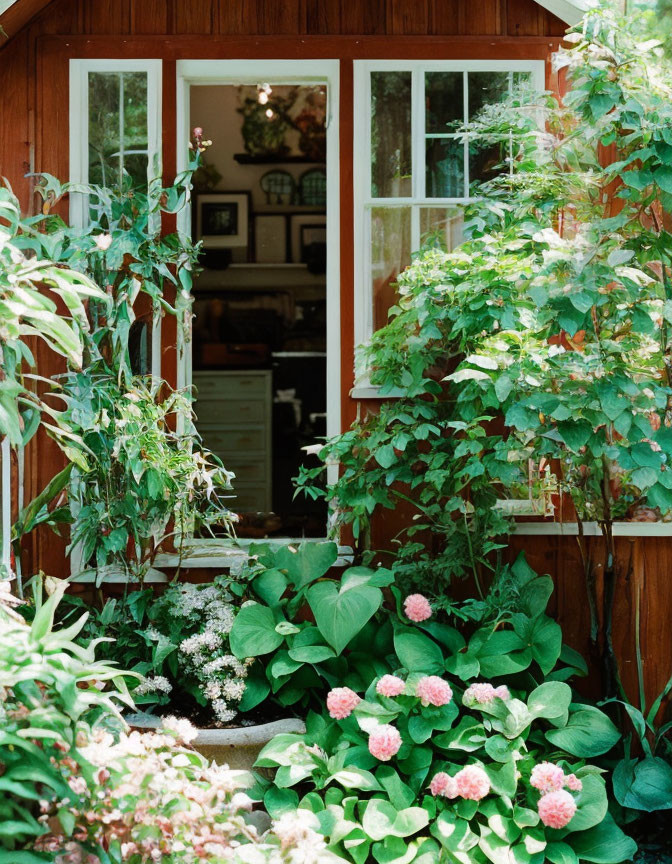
(433, 764)
(306, 631)
(51, 691)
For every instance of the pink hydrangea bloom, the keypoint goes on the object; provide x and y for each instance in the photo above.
(443, 784)
(556, 808)
(341, 701)
(390, 685)
(432, 690)
(572, 782)
(480, 693)
(384, 742)
(502, 692)
(417, 608)
(547, 777)
(472, 782)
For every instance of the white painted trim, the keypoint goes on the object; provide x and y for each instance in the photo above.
(569, 11)
(79, 126)
(6, 503)
(217, 72)
(363, 301)
(592, 529)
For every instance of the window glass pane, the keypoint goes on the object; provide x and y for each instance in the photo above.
(485, 88)
(444, 101)
(390, 134)
(117, 127)
(390, 254)
(442, 227)
(486, 161)
(445, 168)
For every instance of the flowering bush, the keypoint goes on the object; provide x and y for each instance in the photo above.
(179, 642)
(402, 778)
(146, 797)
(470, 751)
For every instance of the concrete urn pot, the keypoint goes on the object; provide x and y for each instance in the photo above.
(238, 748)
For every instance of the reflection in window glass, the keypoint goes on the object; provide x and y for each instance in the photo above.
(441, 227)
(486, 161)
(390, 254)
(118, 128)
(444, 101)
(486, 88)
(445, 168)
(390, 134)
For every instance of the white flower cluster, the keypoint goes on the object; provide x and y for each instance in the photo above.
(157, 684)
(206, 655)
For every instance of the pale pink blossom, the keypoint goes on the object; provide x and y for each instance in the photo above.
(390, 685)
(432, 690)
(341, 701)
(547, 777)
(103, 241)
(417, 608)
(556, 808)
(572, 782)
(483, 693)
(443, 784)
(384, 742)
(472, 783)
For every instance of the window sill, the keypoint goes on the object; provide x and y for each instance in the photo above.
(368, 391)
(592, 529)
(212, 554)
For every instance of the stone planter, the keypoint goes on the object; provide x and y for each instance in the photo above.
(237, 748)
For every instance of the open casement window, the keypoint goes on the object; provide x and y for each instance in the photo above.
(115, 122)
(414, 168)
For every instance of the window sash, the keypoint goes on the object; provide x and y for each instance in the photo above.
(79, 121)
(365, 202)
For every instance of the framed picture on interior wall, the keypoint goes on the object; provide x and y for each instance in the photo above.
(270, 238)
(309, 236)
(222, 219)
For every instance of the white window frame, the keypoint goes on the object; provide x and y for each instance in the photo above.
(364, 201)
(79, 166)
(275, 72)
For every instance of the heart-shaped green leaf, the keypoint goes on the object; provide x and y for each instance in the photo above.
(340, 615)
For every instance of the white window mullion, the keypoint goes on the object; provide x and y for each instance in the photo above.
(418, 132)
(465, 97)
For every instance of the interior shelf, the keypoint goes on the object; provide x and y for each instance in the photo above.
(249, 159)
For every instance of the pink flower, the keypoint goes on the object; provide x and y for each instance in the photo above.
(572, 782)
(472, 783)
(417, 608)
(547, 777)
(384, 742)
(556, 808)
(390, 685)
(103, 241)
(198, 132)
(432, 690)
(341, 701)
(482, 693)
(443, 784)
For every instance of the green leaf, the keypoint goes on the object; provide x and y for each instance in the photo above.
(551, 701)
(253, 632)
(340, 615)
(589, 732)
(385, 456)
(353, 777)
(307, 562)
(311, 653)
(604, 844)
(560, 853)
(592, 804)
(644, 784)
(381, 820)
(279, 801)
(417, 652)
